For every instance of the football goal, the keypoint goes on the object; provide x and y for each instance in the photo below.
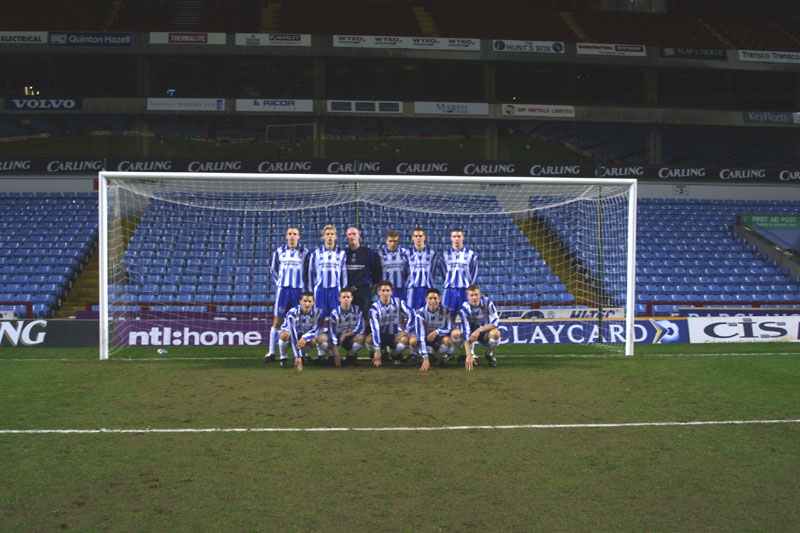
(185, 257)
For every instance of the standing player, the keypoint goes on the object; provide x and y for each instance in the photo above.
(288, 262)
(363, 269)
(432, 330)
(299, 330)
(345, 329)
(461, 271)
(327, 274)
(394, 261)
(390, 320)
(422, 265)
(479, 320)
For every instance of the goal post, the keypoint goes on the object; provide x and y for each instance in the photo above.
(180, 253)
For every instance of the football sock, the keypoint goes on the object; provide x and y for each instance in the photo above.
(283, 346)
(273, 341)
(490, 345)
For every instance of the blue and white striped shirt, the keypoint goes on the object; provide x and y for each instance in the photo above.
(426, 321)
(326, 269)
(473, 318)
(343, 322)
(422, 267)
(395, 265)
(461, 268)
(288, 265)
(300, 324)
(389, 319)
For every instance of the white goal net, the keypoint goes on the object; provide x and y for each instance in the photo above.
(185, 257)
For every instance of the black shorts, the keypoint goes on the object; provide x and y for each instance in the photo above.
(362, 298)
(347, 343)
(435, 344)
(389, 341)
(483, 338)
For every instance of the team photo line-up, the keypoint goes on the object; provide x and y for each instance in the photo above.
(324, 301)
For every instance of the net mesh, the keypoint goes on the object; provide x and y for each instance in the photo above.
(185, 256)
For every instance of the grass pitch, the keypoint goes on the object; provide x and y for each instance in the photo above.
(365, 476)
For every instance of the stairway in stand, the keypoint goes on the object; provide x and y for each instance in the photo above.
(85, 290)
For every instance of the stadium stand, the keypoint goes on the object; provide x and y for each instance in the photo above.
(679, 264)
(712, 24)
(517, 19)
(347, 17)
(709, 145)
(747, 25)
(54, 15)
(219, 258)
(45, 241)
(654, 29)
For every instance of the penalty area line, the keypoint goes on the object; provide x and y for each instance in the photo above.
(399, 429)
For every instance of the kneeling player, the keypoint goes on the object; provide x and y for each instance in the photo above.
(479, 320)
(300, 330)
(390, 319)
(432, 328)
(345, 329)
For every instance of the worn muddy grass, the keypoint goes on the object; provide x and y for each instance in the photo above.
(742, 477)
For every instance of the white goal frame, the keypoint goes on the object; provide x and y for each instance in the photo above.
(103, 176)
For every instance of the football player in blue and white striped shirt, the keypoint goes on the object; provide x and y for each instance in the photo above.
(432, 331)
(479, 322)
(287, 269)
(327, 273)
(394, 264)
(461, 271)
(423, 264)
(345, 329)
(299, 330)
(390, 319)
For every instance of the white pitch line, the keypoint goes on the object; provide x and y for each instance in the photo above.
(501, 357)
(400, 429)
